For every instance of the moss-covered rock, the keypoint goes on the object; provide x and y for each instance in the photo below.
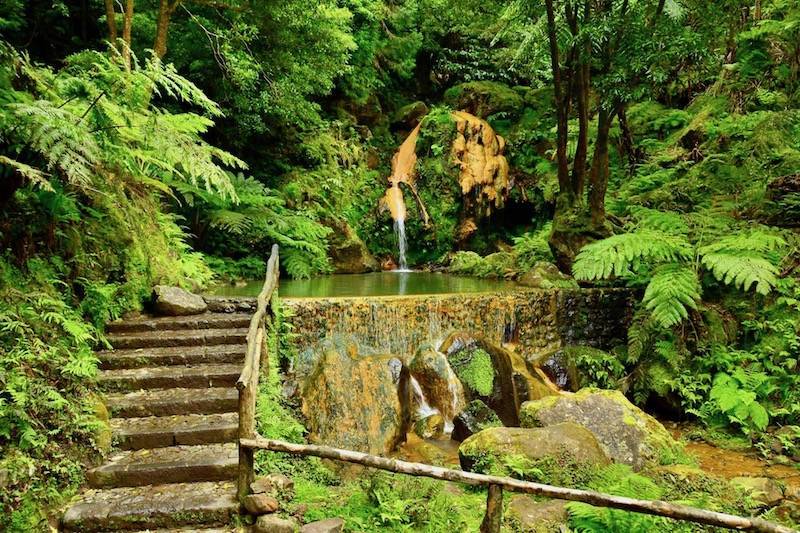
(530, 516)
(626, 433)
(484, 98)
(512, 383)
(410, 115)
(544, 275)
(356, 400)
(475, 418)
(442, 389)
(430, 427)
(347, 251)
(494, 450)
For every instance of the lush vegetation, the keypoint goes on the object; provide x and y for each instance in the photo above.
(652, 144)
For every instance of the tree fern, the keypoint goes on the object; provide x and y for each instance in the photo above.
(672, 289)
(664, 221)
(616, 255)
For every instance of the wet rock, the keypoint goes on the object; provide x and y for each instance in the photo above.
(331, 525)
(430, 427)
(354, 399)
(483, 98)
(274, 524)
(347, 251)
(274, 484)
(174, 301)
(408, 116)
(440, 386)
(512, 384)
(532, 516)
(258, 504)
(562, 366)
(476, 417)
(626, 433)
(487, 451)
(762, 489)
(544, 275)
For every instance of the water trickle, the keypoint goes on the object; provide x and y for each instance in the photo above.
(400, 232)
(424, 410)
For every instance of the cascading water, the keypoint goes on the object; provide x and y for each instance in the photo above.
(400, 232)
(424, 410)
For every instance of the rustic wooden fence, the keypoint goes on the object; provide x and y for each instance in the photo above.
(257, 361)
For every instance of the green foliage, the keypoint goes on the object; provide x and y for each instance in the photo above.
(475, 370)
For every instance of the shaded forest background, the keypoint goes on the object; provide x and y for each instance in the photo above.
(652, 144)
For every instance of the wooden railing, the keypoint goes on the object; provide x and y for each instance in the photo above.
(496, 484)
(256, 357)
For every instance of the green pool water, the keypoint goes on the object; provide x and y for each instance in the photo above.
(374, 284)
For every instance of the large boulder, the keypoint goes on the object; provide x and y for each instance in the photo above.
(544, 275)
(762, 489)
(174, 301)
(475, 418)
(490, 450)
(408, 116)
(347, 251)
(356, 400)
(441, 388)
(626, 433)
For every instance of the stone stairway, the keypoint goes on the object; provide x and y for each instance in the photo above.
(170, 389)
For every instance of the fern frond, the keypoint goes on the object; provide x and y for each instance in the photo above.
(615, 255)
(666, 221)
(743, 269)
(672, 289)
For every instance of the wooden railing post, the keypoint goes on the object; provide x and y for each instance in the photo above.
(494, 510)
(257, 348)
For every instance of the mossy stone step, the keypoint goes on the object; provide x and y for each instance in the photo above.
(176, 323)
(192, 337)
(189, 376)
(175, 464)
(170, 356)
(162, 431)
(177, 401)
(153, 507)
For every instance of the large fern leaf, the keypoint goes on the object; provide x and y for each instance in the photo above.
(673, 288)
(743, 270)
(616, 255)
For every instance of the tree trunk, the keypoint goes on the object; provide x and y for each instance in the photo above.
(111, 20)
(561, 98)
(493, 519)
(598, 176)
(127, 23)
(165, 10)
(629, 150)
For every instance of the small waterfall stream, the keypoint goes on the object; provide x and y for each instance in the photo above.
(424, 409)
(400, 232)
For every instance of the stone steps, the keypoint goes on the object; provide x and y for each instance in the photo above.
(172, 338)
(177, 401)
(162, 431)
(188, 376)
(170, 388)
(176, 355)
(151, 507)
(175, 464)
(170, 323)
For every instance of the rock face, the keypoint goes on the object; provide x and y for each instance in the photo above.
(356, 400)
(274, 524)
(487, 451)
(430, 427)
(483, 98)
(174, 301)
(626, 433)
(347, 251)
(442, 389)
(513, 383)
(475, 418)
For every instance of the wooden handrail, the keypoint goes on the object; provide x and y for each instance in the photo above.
(256, 352)
(496, 484)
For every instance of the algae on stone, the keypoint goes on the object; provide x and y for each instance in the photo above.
(626, 433)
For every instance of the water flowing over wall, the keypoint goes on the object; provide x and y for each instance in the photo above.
(536, 321)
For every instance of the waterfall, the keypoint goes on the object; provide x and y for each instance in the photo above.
(424, 409)
(400, 231)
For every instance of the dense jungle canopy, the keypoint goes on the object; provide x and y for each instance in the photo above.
(646, 144)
